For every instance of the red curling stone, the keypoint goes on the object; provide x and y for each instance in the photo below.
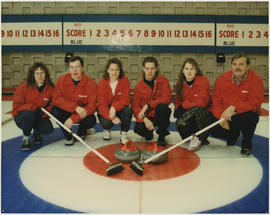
(152, 150)
(127, 152)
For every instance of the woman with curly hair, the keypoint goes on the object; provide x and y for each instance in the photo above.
(191, 101)
(29, 97)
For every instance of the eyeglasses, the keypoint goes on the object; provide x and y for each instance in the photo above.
(39, 73)
(74, 68)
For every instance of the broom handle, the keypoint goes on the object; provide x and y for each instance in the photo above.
(76, 136)
(7, 120)
(183, 141)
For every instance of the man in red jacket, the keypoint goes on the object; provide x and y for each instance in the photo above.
(74, 99)
(150, 103)
(237, 97)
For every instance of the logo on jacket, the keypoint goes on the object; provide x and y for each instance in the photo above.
(244, 91)
(46, 99)
(82, 96)
(119, 93)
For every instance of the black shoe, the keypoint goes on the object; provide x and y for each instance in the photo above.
(149, 137)
(161, 141)
(26, 145)
(245, 152)
(69, 142)
(37, 138)
(205, 142)
(83, 137)
(232, 141)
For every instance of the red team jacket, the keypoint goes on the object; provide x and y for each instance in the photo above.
(106, 99)
(29, 98)
(196, 95)
(68, 96)
(248, 96)
(143, 94)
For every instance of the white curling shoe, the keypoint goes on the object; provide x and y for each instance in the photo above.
(185, 144)
(69, 142)
(195, 143)
(107, 135)
(90, 131)
(123, 138)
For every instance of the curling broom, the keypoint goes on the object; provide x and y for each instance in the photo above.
(111, 169)
(137, 166)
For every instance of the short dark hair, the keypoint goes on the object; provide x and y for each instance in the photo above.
(75, 58)
(239, 55)
(150, 60)
(118, 63)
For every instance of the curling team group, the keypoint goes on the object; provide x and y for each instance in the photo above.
(75, 98)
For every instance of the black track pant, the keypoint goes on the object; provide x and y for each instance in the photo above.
(245, 123)
(161, 120)
(124, 115)
(84, 124)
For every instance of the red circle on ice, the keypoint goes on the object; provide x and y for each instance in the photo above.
(180, 162)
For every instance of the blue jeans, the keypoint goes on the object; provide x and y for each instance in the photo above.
(28, 120)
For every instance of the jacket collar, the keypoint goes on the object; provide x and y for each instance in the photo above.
(69, 80)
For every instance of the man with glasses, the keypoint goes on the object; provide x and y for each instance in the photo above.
(74, 99)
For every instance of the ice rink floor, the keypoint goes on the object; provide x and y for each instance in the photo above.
(54, 178)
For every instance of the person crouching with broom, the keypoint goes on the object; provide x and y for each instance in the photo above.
(191, 100)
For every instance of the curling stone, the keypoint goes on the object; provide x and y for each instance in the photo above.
(152, 150)
(127, 152)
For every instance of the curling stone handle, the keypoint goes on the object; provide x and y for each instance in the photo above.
(125, 147)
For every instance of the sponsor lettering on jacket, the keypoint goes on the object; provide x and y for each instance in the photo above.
(82, 96)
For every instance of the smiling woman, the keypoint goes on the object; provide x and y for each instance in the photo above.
(113, 100)
(191, 102)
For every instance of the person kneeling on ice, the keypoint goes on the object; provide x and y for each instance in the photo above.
(150, 103)
(74, 100)
(237, 97)
(29, 97)
(114, 99)
(191, 100)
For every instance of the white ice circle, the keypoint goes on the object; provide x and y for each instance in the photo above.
(56, 174)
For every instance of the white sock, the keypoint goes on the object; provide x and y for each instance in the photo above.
(25, 137)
